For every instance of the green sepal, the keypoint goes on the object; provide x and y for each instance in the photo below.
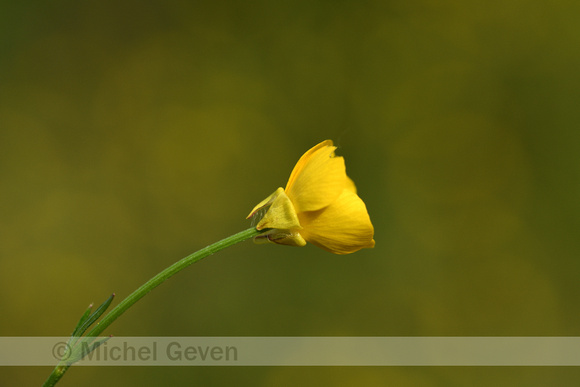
(78, 350)
(88, 321)
(82, 320)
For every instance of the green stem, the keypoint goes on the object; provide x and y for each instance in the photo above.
(117, 311)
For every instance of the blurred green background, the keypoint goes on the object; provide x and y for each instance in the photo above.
(133, 133)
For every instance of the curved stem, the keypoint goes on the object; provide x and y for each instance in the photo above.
(118, 310)
(167, 273)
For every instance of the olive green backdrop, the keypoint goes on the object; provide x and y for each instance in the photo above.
(133, 133)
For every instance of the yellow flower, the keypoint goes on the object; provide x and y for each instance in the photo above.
(319, 205)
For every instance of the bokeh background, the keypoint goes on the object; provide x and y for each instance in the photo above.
(133, 133)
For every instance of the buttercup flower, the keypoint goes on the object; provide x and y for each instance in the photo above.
(318, 205)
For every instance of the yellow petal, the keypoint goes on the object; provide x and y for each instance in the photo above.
(317, 179)
(281, 214)
(341, 228)
(350, 185)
